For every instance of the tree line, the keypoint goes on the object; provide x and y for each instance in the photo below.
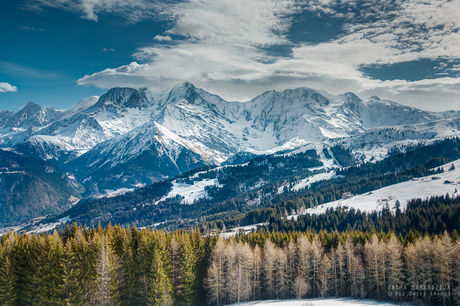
(432, 216)
(127, 266)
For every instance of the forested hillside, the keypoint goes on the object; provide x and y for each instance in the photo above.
(242, 193)
(125, 266)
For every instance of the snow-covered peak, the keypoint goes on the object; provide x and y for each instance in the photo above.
(124, 97)
(85, 103)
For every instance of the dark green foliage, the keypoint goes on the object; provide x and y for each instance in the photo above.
(344, 157)
(432, 216)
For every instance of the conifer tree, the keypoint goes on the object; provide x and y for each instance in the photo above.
(70, 290)
(107, 282)
(174, 250)
(357, 277)
(304, 258)
(290, 251)
(442, 263)
(256, 272)
(324, 275)
(143, 264)
(215, 281)
(48, 275)
(239, 289)
(160, 284)
(456, 271)
(230, 262)
(281, 278)
(269, 266)
(187, 278)
(340, 264)
(131, 282)
(374, 253)
(394, 264)
(300, 287)
(316, 254)
(7, 278)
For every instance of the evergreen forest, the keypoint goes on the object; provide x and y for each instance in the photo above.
(128, 266)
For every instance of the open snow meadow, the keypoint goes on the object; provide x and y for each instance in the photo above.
(317, 302)
(424, 187)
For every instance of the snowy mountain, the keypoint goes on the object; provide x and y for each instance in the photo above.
(142, 156)
(116, 129)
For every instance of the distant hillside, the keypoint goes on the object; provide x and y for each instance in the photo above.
(30, 188)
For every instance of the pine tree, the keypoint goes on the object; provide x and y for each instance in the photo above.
(160, 284)
(187, 278)
(174, 250)
(48, 275)
(107, 282)
(7, 280)
(143, 265)
(70, 290)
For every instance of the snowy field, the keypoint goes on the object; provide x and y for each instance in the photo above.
(317, 302)
(434, 185)
(191, 192)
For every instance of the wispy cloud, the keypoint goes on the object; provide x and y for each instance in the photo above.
(25, 72)
(132, 10)
(27, 28)
(6, 87)
(108, 50)
(222, 46)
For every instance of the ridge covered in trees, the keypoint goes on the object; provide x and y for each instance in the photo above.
(249, 190)
(127, 266)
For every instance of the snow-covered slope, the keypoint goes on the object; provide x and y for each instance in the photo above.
(425, 187)
(317, 302)
(216, 129)
(142, 156)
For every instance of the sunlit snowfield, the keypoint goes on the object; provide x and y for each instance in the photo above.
(317, 302)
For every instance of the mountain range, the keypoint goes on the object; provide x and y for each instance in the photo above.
(133, 137)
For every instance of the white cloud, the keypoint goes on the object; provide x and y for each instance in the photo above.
(108, 49)
(162, 38)
(132, 10)
(5, 87)
(224, 49)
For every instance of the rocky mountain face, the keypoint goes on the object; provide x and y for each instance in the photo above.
(130, 136)
(142, 156)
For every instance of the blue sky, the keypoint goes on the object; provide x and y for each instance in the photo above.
(56, 52)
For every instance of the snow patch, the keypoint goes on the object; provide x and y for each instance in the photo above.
(193, 192)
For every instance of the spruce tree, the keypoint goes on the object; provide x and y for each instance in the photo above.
(160, 285)
(71, 290)
(187, 270)
(7, 281)
(107, 293)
